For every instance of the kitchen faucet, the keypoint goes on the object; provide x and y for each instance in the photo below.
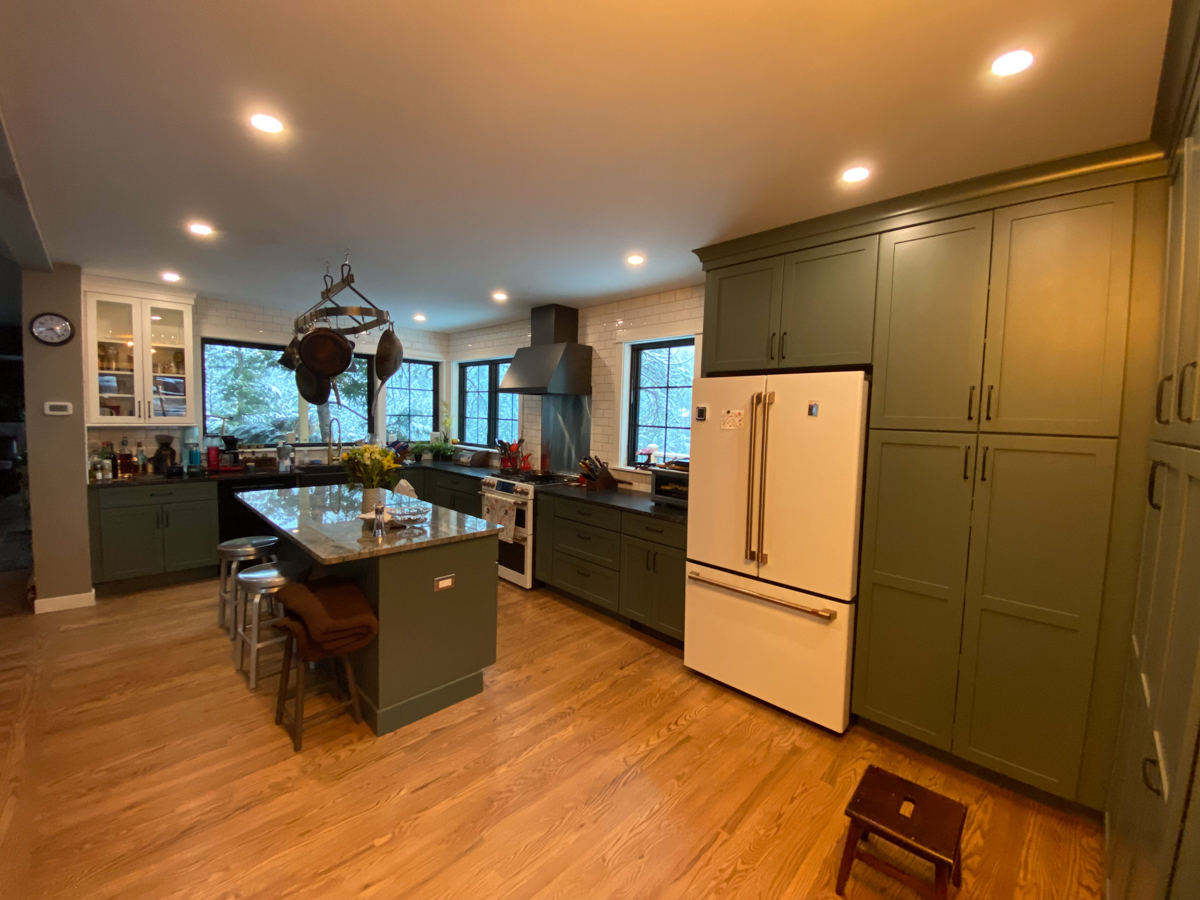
(329, 440)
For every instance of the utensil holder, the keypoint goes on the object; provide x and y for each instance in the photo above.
(604, 481)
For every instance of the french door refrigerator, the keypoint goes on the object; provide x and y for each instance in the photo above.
(773, 526)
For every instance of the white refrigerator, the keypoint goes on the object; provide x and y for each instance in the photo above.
(774, 501)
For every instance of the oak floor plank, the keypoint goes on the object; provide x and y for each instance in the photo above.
(135, 763)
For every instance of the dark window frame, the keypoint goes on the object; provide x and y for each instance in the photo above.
(437, 395)
(635, 377)
(277, 348)
(493, 403)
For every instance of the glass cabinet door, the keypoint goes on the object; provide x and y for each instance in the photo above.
(170, 366)
(118, 365)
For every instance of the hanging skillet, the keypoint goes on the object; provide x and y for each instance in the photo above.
(291, 358)
(325, 352)
(312, 387)
(389, 356)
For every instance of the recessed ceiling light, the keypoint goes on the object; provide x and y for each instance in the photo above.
(858, 173)
(1012, 63)
(200, 228)
(500, 295)
(419, 317)
(635, 260)
(170, 276)
(266, 123)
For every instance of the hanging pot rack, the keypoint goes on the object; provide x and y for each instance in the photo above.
(364, 318)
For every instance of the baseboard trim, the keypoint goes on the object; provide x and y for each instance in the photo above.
(67, 601)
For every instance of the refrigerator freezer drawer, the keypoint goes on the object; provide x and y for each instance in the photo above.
(796, 659)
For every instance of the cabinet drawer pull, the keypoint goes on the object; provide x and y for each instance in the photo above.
(583, 537)
(653, 530)
(580, 512)
(1158, 399)
(1179, 395)
(988, 416)
(583, 573)
(983, 466)
(1152, 484)
(966, 462)
(971, 404)
(161, 493)
(1149, 763)
(827, 615)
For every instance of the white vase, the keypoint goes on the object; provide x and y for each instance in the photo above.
(371, 496)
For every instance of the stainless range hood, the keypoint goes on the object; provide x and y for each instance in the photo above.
(559, 368)
(554, 363)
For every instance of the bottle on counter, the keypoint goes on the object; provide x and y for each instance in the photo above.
(140, 460)
(106, 470)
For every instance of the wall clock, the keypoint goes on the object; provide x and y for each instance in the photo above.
(52, 329)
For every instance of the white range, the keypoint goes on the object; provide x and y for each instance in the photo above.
(773, 529)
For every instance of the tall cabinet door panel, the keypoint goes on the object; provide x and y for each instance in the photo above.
(1185, 427)
(190, 534)
(930, 312)
(741, 316)
(917, 521)
(1157, 577)
(134, 546)
(1174, 711)
(1178, 225)
(670, 588)
(1058, 314)
(1039, 536)
(829, 304)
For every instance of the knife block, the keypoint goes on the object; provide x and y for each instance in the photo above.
(604, 482)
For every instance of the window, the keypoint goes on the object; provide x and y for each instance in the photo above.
(485, 414)
(245, 386)
(660, 397)
(412, 401)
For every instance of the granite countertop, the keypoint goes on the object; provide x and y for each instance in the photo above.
(155, 480)
(450, 467)
(639, 502)
(323, 521)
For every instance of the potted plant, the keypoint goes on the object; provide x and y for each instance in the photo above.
(375, 468)
(442, 450)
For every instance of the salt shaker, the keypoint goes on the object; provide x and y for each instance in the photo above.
(380, 525)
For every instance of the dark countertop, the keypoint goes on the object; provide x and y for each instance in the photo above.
(153, 480)
(639, 502)
(455, 470)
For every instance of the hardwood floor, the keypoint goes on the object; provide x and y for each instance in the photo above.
(594, 765)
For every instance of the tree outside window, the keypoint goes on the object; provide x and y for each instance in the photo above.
(660, 398)
(485, 414)
(257, 397)
(412, 401)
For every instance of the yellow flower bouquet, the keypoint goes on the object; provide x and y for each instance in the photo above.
(372, 466)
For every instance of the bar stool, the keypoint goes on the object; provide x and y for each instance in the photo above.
(299, 652)
(254, 585)
(234, 555)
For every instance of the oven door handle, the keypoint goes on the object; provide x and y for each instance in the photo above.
(515, 500)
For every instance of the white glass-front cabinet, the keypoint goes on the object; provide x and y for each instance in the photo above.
(140, 361)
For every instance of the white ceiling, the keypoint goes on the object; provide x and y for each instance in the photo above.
(461, 146)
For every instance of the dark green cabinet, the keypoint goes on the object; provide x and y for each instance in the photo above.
(457, 492)
(741, 315)
(543, 544)
(653, 584)
(1039, 537)
(189, 535)
(417, 478)
(131, 542)
(808, 309)
(828, 309)
(930, 314)
(1058, 314)
(916, 527)
(148, 530)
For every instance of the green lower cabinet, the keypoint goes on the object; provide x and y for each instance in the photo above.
(543, 545)
(190, 535)
(653, 583)
(916, 526)
(131, 541)
(598, 584)
(637, 580)
(1039, 538)
(416, 478)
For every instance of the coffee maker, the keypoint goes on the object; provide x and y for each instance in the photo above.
(230, 457)
(164, 456)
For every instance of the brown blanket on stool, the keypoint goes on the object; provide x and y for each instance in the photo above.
(334, 610)
(309, 650)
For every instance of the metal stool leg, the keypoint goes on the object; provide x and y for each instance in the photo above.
(222, 597)
(255, 618)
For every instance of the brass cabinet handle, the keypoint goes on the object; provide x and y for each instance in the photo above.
(971, 404)
(827, 615)
(1148, 763)
(1152, 484)
(1179, 395)
(751, 555)
(983, 466)
(988, 417)
(768, 400)
(1158, 399)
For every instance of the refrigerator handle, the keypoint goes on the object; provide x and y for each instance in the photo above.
(750, 553)
(768, 399)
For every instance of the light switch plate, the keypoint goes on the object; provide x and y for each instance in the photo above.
(58, 408)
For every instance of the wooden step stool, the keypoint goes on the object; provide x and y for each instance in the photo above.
(921, 821)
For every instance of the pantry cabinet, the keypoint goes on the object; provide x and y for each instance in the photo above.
(814, 308)
(1058, 315)
(1039, 537)
(139, 356)
(916, 527)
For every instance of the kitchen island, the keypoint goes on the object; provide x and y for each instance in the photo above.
(433, 587)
